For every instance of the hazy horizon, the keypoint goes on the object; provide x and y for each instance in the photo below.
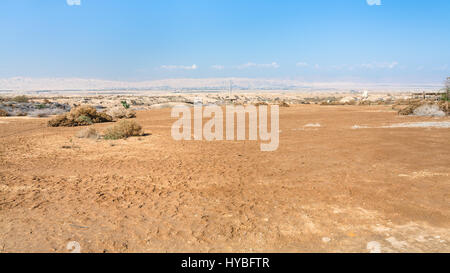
(15, 84)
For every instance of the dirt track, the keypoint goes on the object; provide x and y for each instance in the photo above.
(326, 189)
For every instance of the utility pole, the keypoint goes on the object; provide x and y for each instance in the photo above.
(231, 87)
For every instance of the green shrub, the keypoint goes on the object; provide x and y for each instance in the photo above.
(125, 104)
(41, 106)
(84, 120)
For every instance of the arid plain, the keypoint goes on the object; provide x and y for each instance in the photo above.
(329, 188)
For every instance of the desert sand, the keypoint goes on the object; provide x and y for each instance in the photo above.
(336, 187)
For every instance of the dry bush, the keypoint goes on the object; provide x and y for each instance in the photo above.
(283, 104)
(443, 105)
(79, 116)
(406, 106)
(408, 110)
(21, 99)
(119, 113)
(123, 129)
(3, 113)
(87, 133)
(260, 103)
(60, 121)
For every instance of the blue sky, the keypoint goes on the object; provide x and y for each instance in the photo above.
(321, 40)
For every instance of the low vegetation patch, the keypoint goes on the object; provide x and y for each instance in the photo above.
(3, 113)
(121, 112)
(408, 110)
(80, 116)
(123, 129)
(21, 99)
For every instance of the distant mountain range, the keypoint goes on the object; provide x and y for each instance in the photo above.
(75, 84)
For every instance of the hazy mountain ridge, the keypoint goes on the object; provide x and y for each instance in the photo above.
(61, 84)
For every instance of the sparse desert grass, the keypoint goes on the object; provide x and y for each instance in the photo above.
(80, 116)
(87, 133)
(123, 129)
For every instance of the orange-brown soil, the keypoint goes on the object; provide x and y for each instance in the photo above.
(326, 189)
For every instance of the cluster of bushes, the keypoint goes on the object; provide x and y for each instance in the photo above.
(80, 116)
(87, 115)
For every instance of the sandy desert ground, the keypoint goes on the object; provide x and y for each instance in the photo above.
(326, 189)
